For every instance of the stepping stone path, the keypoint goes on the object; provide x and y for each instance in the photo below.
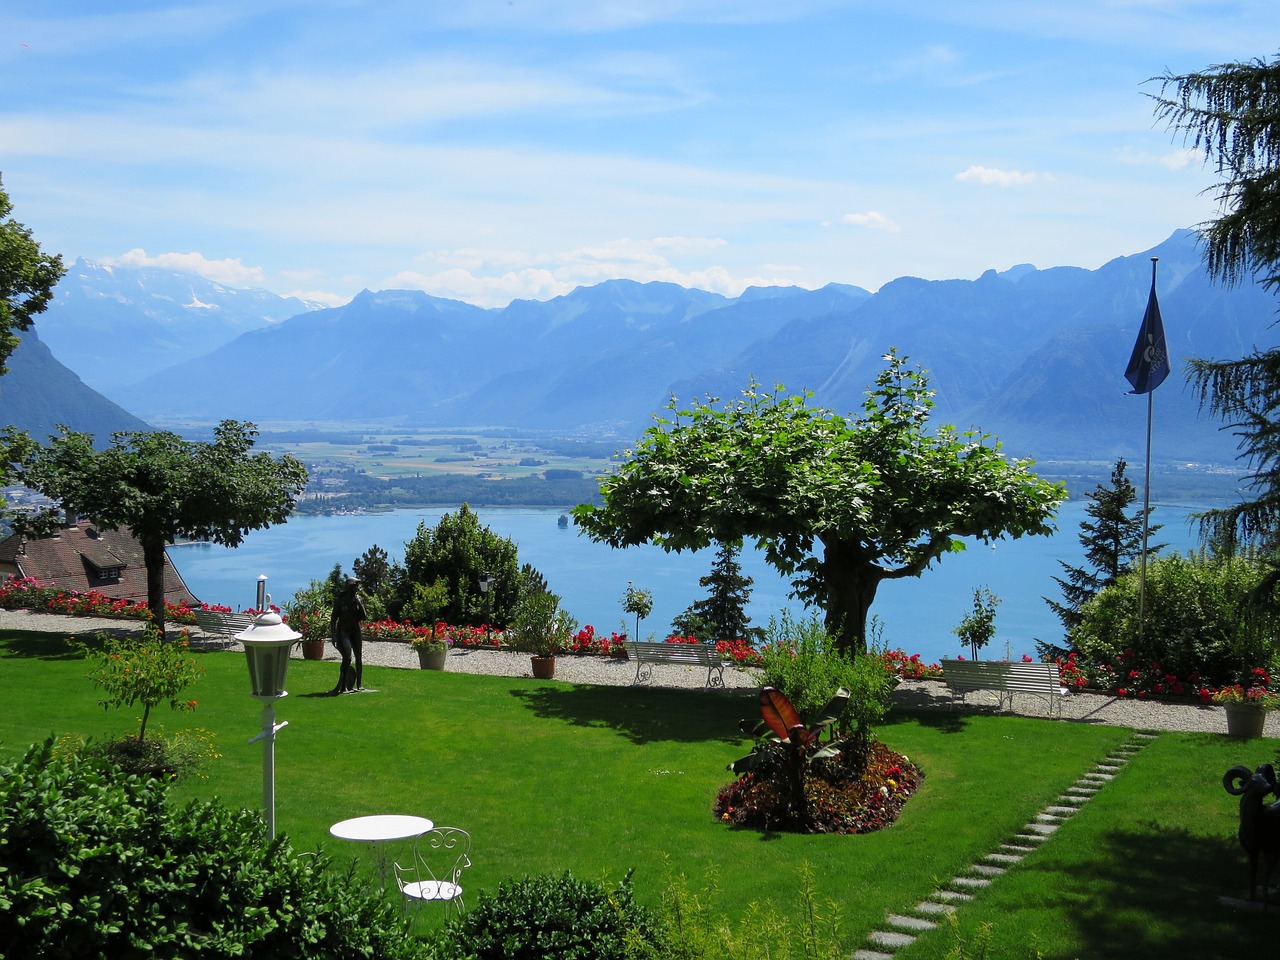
(902, 929)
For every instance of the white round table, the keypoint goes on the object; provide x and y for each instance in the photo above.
(380, 829)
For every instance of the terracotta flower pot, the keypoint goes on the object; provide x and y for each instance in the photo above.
(544, 668)
(313, 649)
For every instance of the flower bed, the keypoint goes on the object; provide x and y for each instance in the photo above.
(25, 593)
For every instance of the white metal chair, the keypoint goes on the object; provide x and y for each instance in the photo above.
(439, 857)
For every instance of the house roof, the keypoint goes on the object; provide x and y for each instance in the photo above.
(82, 556)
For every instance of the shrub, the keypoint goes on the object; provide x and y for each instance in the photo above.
(98, 866)
(146, 671)
(1193, 629)
(802, 660)
(556, 918)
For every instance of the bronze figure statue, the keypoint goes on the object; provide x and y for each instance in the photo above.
(344, 628)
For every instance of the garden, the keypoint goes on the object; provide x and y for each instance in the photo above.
(601, 782)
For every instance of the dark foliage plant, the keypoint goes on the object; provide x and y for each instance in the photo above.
(93, 865)
(554, 918)
(794, 782)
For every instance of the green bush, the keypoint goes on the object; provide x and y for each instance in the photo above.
(93, 865)
(802, 659)
(554, 918)
(1194, 624)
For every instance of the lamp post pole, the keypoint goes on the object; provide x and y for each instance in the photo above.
(266, 646)
(486, 583)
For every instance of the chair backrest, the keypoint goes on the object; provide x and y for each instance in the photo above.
(440, 856)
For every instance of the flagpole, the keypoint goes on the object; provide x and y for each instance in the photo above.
(1146, 499)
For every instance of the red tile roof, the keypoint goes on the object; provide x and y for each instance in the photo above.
(84, 557)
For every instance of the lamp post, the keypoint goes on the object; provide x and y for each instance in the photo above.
(266, 646)
(486, 582)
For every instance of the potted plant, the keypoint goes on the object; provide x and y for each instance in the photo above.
(540, 628)
(1246, 708)
(432, 646)
(313, 623)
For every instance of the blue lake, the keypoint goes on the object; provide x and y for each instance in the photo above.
(917, 614)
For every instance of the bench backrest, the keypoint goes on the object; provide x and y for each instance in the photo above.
(1001, 675)
(216, 621)
(701, 653)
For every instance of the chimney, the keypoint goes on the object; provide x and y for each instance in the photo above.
(68, 518)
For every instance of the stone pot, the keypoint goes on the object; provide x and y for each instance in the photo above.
(1244, 720)
(429, 659)
(313, 649)
(544, 668)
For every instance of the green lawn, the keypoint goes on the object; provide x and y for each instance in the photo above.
(549, 776)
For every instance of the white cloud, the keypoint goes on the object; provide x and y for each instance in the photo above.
(872, 219)
(1171, 160)
(493, 278)
(990, 176)
(231, 272)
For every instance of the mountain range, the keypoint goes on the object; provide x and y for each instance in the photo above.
(1034, 357)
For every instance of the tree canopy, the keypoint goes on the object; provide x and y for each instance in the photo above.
(1232, 112)
(839, 505)
(443, 569)
(27, 279)
(163, 488)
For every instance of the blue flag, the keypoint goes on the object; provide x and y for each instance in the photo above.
(1149, 364)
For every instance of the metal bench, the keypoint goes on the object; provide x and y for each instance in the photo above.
(221, 624)
(1005, 678)
(647, 653)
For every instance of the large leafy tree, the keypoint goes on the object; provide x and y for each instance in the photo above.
(1232, 112)
(27, 279)
(163, 487)
(839, 505)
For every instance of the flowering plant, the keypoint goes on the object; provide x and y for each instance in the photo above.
(1254, 696)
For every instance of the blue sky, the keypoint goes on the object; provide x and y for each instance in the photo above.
(496, 149)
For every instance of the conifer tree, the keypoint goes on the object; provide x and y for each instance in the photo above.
(1112, 542)
(722, 614)
(1232, 113)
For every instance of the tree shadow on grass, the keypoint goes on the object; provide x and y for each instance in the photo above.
(946, 721)
(39, 645)
(645, 714)
(1155, 892)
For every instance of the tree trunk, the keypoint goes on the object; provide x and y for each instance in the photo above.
(852, 581)
(154, 558)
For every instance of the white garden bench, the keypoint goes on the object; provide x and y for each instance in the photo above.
(225, 625)
(647, 653)
(1005, 678)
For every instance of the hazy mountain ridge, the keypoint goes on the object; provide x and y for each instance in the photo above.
(1035, 357)
(39, 393)
(165, 318)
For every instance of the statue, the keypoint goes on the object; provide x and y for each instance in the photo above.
(344, 628)
(1259, 822)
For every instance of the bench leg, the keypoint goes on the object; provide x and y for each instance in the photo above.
(644, 672)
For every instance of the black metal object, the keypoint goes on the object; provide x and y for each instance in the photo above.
(1259, 822)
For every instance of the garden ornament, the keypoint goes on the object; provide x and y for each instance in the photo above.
(344, 628)
(1259, 823)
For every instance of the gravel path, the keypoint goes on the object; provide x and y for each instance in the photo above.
(928, 694)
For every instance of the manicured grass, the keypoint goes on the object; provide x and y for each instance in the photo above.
(549, 776)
